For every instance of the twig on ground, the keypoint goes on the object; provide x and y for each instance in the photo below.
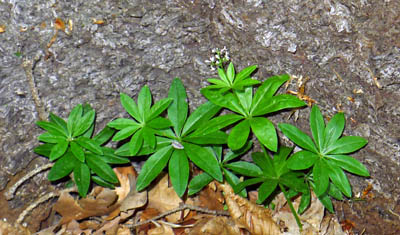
(28, 67)
(42, 199)
(11, 192)
(181, 208)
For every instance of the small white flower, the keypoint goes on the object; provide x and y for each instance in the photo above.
(212, 59)
(217, 57)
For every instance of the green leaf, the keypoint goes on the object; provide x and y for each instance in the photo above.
(338, 178)
(302, 160)
(298, 137)
(178, 110)
(334, 129)
(245, 168)
(304, 202)
(317, 125)
(201, 115)
(131, 107)
(238, 136)
(89, 144)
(102, 182)
(73, 118)
(266, 188)
(110, 157)
(265, 163)
(321, 179)
(62, 167)
(218, 137)
(222, 75)
(58, 150)
(267, 89)
(84, 123)
(159, 107)
(44, 149)
(234, 154)
(153, 166)
(233, 180)
(149, 137)
(199, 182)
(101, 168)
(326, 201)
(52, 128)
(217, 123)
(178, 169)
(346, 144)
(136, 142)
(245, 97)
(334, 192)
(230, 72)
(59, 122)
(78, 152)
(159, 123)
(279, 159)
(277, 103)
(245, 73)
(245, 83)
(227, 101)
(50, 138)
(349, 164)
(122, 123)
(82, 178)
(240, 186)
(265, 132)
(144, 102)
(104, 135)
(125, 133)
(204, 159)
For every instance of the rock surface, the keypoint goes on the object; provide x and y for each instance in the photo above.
(349, 50)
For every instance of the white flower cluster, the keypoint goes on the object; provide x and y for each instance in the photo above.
(219, 58)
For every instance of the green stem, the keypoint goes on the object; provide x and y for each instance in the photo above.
(296, 216)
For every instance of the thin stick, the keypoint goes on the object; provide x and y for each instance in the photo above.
(28, 67)
(11, 192)
(181, 208)
(42, 199)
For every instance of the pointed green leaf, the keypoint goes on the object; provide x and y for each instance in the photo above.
(334, 129)
(136, 142)
(233, 180)
(234, 154)
(218, 83)
(339, 179)
(266, 189)
(74, 116)
(279, 159)
(200, 116)
(110, 157)
(277, 103)
(321, 179)
(50, 138)
(245, 83)
(62, 167)
(317, 125)
(346, 144)
(102, 182)
(265, 163)
(230, 73)
(265, 132)
(204, 159)
(218, 137)
(349, 164)
(44, 149)
(178, 170)
(104, 135)
(52, 128)
(302, 160)
(159, 107)
(245, 73)
(326, 201)
(101, 168)
(131, 107)
(222, 75)
(122, 123)
(298, 137)
(82, 178)
(144, 102)
(149, 137)
(222, 100)
(238, 136)
(267, 89)
(240, 186)
(304, 202)
(245, 97)
(89, 144)
(216, 124)
(78, 152)
(199, 182)
(153, 166)
(59, 122)
(245, 168)
(125, 133)
(159, 123)
(58, 150)
(334, 192)
(84, 123)
(178, 110)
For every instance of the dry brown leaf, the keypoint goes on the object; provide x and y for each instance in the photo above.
(256, 219)
(123, 231)
(8, 229)
(164, 198)
(73, 227)
(100, 202)
(219, 225)
(312, 219)
(59, 24)
(211, 198)
(2, 28)
(161, 229)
